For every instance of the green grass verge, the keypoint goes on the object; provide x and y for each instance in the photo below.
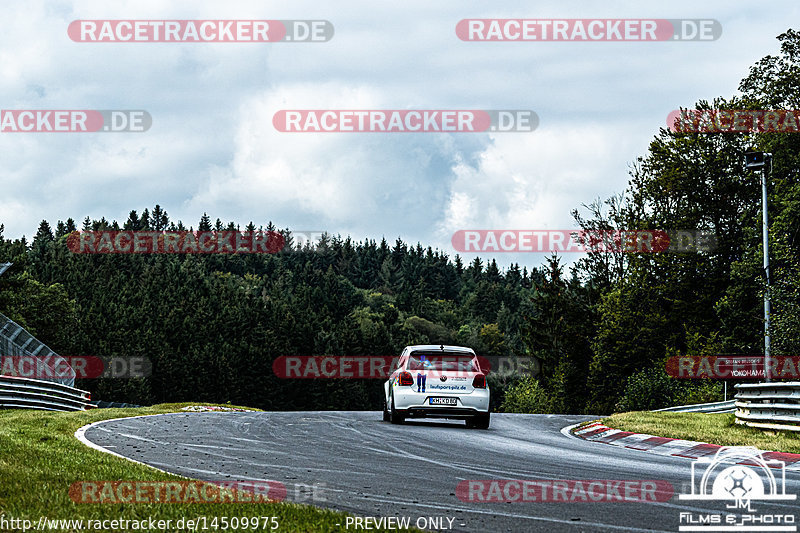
(40, 458)
(713, 428)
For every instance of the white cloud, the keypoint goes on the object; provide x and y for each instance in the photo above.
(212, 146)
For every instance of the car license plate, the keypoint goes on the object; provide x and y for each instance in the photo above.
(443, 401)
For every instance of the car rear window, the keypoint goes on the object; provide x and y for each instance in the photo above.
(439, 361)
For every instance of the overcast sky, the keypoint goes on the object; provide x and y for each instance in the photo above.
(212, 146)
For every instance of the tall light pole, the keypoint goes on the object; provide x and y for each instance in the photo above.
(762, 162)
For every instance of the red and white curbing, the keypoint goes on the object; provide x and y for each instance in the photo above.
(215, 408)
(597, 432)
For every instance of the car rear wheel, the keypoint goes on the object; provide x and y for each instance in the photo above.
(385, 411)
(395, 416)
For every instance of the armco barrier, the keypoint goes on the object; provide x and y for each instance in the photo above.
(24, 393)
(769, 405)
(16, 341)
(716, 407)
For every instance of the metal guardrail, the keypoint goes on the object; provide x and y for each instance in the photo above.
(24, 393)
(769, 405)
(49, 366)
(714, 407)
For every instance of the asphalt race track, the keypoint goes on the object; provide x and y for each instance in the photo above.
(372, 468)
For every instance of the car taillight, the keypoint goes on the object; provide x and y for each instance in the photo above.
(479, 381)
(406, 378)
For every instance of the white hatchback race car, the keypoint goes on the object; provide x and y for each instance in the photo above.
(437, 382)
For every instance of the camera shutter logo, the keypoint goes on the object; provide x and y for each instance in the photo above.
(739, 474)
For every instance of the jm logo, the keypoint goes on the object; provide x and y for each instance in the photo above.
(740, 475)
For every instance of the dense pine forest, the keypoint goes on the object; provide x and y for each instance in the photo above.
(213, 324)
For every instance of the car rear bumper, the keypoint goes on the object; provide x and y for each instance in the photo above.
(442, 412)
(416, 404)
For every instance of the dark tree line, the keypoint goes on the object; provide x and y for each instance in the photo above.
(212, 325)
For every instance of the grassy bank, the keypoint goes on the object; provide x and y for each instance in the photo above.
(40, 458)
(713, 428)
